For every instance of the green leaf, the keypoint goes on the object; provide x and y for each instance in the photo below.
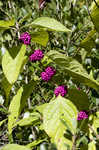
(81, 101)
(49, 23)
(14, 147)
(89, 42)
(1, 122)
(73, 68)
(7, 24)
(92, 146)
(34, 118)
(41, 108)
(34, 143)
(95, 14)
(96, 122)
(40, 37)
(7, 88)
(53, 114)
(14, 110)
(12, 66)
(27, 121)
(27, 90)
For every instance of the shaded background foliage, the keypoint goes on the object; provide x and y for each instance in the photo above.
(75, 16)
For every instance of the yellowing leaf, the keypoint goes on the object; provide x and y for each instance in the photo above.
(12, 66)
(55, 113)
(14, 110)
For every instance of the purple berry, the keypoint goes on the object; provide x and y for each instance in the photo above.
(37, 55)
(45, 76)
(50, 71)
(25, 38)
(82, 115)
(62, 90)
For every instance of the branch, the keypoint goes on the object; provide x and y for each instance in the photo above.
(74, 142)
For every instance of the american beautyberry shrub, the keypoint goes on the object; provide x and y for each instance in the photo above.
(25, 38)
(48, 74)
(37, 55)
(82, 115)
(62, 90)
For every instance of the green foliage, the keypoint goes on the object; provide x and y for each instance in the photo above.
(28, 121)
(14, 110)
(89, 42)
(95, 15)
(6, 24)
(1, 122)
(40, 37)
(12, 67)
(91, 146)
(55, 113)
(49, 23)
(79, 98)
(64, 31)
(15, 147)
(73, 68)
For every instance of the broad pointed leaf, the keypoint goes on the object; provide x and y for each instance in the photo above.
(55, 113)
(49, 23)
(73, 68)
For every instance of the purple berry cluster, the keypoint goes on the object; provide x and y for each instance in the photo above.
(37, 55)
(48, 74)
(82, 115)
(62, 90)
(25, 38)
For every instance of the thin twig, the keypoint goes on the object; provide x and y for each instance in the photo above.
(74, 142)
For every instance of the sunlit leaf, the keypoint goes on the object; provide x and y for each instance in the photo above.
(55, 113)
(92, 146)
(7, 24)
(14, 110)
(12, 66)
(73, 68)
(48, 23)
